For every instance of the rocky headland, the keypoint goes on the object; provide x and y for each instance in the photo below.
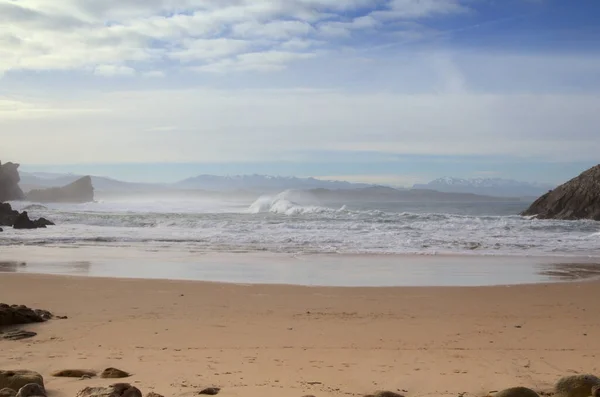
(9, 182)
(80, 191)
(578, 198)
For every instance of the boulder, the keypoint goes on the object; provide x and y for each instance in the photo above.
(80, 191)
(116, 390)
(151, 394)
(6, 392)
(579, 198)
(9, 182)
(114, 373)
(596, 391)
(31, 390)
(19, 314)
(576, 386)
(17, 379)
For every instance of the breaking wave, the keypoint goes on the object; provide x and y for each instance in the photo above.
(289, 202)
(296, 222)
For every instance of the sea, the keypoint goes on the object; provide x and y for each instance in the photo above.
(293, 225)
(290, 222)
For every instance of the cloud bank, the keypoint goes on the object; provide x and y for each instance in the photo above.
(250, 80)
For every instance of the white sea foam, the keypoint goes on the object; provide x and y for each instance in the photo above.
(293, 222)
(289, 202)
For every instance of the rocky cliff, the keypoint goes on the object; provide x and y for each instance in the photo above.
(80, 191)
(9, 182)
(579, 198)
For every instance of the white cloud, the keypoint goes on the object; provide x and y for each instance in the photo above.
(257, 61)
(273, 30)
(154, 73)
(407, 9)
(84, 35)
(113, 70)
(209, 49)
(430, 101)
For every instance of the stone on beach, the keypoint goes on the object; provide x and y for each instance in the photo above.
(517, 392)
(31, 390)
(576, 385)
(115, 390)
(17, 379)
(74, 373)
(7, 392)
(114, 373)
(385, 393)
(210, 391)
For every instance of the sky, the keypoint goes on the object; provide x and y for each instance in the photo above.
(385, 91)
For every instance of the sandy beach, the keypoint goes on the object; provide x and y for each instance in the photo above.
(177, 337)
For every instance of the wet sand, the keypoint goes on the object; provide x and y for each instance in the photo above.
(177, 337)
(307, 270)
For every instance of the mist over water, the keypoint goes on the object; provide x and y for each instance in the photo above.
(296, 222)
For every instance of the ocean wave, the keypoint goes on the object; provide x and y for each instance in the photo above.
(290, 202)
(296, 222)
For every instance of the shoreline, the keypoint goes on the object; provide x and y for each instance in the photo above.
(339, 270)
(177, 337)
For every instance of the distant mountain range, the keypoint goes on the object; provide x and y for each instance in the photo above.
(497, 187)
(464, 189)
(257, 183)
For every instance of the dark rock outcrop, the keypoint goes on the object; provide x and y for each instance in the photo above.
(9, 182)
(23, 222)
(19, 314)
(579, 198)
(10, 217)
(7, 215)
(80, 191)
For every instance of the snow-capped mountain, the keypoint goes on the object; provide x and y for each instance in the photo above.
(487, 186)
(261, 183)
